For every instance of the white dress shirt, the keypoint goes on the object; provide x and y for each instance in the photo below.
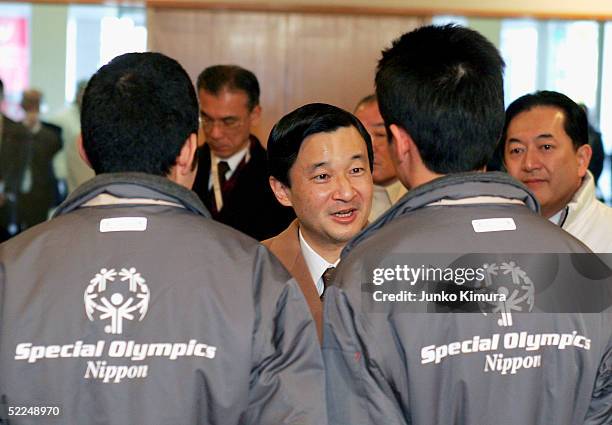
(315, 263)
(233, 162)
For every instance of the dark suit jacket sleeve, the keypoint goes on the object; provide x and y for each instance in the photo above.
(14, 155)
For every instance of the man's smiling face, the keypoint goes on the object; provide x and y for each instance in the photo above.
(539, 153)
(331, 187)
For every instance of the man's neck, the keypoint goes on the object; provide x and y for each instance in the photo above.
(31, 124)
(234, 159)
(330, 252)
(551, 212)
(386, 183)
(34, 127)
(245, 146)
(422, 177)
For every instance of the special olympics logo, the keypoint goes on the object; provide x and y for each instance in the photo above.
(102, 295)
(509, 279)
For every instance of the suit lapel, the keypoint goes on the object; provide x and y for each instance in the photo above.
(286, 247)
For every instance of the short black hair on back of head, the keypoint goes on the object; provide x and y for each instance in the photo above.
(137, 113)
(216, 78)
(575, 124)
(444, 86)
(289, 133)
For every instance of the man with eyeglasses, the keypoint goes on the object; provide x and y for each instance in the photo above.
(232, 178)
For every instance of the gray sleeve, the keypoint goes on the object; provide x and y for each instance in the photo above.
(359, 390)
(287, 384)
(600, 409)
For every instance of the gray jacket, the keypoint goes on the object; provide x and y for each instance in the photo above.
(440, 362)
(142, 310)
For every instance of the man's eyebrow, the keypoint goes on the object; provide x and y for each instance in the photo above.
(317, 165)
(324, 163)
(228, 117)
(545, 136)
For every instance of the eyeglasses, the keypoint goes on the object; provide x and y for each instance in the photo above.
(227, 123)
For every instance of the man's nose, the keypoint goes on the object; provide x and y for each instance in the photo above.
(531, 160)
(344, 190)
(216, 130)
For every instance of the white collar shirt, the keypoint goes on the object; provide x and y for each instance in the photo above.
(315, 263)
(233, 162)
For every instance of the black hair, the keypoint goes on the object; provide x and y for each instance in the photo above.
(216, 78)
(365, 101)
(443, 85)
(137, 112)
(575, 124)
(289, 133)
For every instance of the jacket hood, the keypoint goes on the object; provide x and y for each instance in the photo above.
(451, 187)
(133, 185)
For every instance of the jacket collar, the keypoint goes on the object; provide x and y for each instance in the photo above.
(582, 199)
(451, 187)
(256, 151)
(286, 247)
(133, 185)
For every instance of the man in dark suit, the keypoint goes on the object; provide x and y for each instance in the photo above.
(232, 179)
(320, 160)
(14, 147)
(40, 193)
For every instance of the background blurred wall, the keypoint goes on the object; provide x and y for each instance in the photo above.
(298, 58)
(493, 8)
(48, 48)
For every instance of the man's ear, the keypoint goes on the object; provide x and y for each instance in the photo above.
(255, 116)
(81, 149)
(402, 144)
(183, 172)
(281, 191)
(583, 155)
(184, 161)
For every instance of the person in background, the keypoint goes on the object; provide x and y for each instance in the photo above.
(387, 187)
(232, 179)
(14, 147)
(68, 165)
(38, 192)
(320, 161)
(546, 147)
